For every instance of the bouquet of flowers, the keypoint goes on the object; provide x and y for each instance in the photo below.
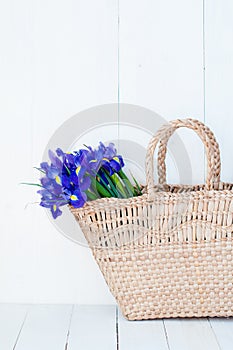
(83, 175)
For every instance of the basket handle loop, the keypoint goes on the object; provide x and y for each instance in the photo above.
(162, 136)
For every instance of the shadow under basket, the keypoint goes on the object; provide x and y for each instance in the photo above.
(168, 252)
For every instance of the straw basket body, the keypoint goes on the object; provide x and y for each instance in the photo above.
(169, 252)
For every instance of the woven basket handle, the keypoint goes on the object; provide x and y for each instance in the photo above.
(163, 135)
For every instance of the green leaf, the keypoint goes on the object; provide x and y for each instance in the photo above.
(112, 186)
(30, 184)
(94, 183)
(67, 169)
(127, 183)
(104, 184)
(91, 195)
(101, 189)
(93, 186)
(128, 187)
(39, 169)
(137, 185)
(119, 186)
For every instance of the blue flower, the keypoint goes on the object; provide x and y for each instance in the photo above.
(117, 163)
(103, 156)
(52, 195)
(102, 177)
(76, 198)
(60, 153)
(71, 177)
(52, 201)
(110, 151)
(55, 161)
(113, 165)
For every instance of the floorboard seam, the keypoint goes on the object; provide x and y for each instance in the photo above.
(68, 332)
(215, 336)
(117, 329)
(24, 320)
(166, 335)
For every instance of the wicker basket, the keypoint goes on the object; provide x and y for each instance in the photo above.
(168, 252)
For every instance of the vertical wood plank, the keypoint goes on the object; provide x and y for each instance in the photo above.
(12, 317)
(190, 334)
(223, 329)
(93, 327)
(16, 95)
(141, 335)
(219, 77)
(75, 63)
(46, 327)
(57, 58)
(75, 68)
(161, 65)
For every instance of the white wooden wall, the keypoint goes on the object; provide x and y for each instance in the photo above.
(60, 57)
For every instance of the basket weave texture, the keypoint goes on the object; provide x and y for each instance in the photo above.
(167, 253)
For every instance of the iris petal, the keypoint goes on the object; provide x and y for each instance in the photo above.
(85, 183)
(56, 162)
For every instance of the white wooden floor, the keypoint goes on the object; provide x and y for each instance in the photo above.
(71, 327)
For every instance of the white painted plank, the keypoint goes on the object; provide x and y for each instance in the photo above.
(75, 64)
(223, 329)
(75, 68)
(12, 317)
(46, 327)
(191, 334)
(56, 59)
(219, 77)
(161, 66)
(16, 94)
(141, 335)
(93, 327)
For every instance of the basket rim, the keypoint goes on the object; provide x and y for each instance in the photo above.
(161, 194)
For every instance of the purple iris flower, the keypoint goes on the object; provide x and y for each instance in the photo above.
(52, 201)
(76, 198)
(60, 153)
(110, 150)
(55, 161)
(102, 176)
(103, 156)
(52, 195)
(72, 182)
(69, 176)
(74, 177)
(116, 163)
(92, 161)
(73, 160)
